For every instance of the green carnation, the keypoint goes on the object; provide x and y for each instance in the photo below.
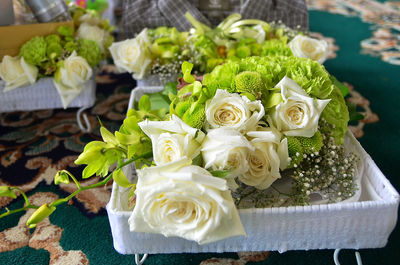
(309, 75)
(34, 51)
(337, 115)
(90, 50)
(275, 47)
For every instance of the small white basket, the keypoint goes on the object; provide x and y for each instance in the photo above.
(43, 95)
(366, 223)
(156, 80)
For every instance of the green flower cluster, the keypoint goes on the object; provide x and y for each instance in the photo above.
(260, 75)
(46, 52)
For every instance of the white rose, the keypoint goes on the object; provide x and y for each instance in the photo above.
(17, 73)
(179, 199)
(132, 55)
(226, 149)
(306, 47)
(265, 161)
(172, 140)
(298, 114)
(90, 19)
(94, 33)
(70, 79)
(233, 111)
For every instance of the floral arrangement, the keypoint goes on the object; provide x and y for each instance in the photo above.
(161, 51)
(68, 56)
(255, 132)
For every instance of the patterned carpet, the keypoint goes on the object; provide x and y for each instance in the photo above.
(34, 145)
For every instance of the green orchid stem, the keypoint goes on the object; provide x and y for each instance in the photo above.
(101, 183)
(78, 185)
(30, 206)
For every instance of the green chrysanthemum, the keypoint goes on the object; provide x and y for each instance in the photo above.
(196, 117)
(34, 51)
(311, 144)
(295, 151)
(250, 82)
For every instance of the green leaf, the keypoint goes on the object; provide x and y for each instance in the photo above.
(220, 173)
(144, 103)
(272, 100)
(343, 88)
(61, 177)
(186, 70)
(159, 101)
(6, 191)
(120, 178)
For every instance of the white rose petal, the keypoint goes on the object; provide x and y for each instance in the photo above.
(132, 55)
(90, 19)
(226, 149)
(306, 47)
(233, 111)
(298, 114)
(17, 73)
(263, 166)
(179, 199)
(71, 78)
(94, 33)
(172, 140)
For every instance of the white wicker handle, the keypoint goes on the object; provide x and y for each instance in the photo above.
(336, 257)
(140, 262)
(87, 128)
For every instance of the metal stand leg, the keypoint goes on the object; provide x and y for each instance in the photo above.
(87, 128)
(140, 262)
(336, 257)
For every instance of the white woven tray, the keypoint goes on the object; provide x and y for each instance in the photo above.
(366, 223)
(155, 80)
(43, 95)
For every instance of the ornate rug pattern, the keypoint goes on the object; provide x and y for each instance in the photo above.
(384, 18)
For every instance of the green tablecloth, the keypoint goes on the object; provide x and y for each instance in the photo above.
(33, 146)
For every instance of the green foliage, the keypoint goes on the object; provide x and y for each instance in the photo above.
(89, 50)
(6, 191)
(34, 51)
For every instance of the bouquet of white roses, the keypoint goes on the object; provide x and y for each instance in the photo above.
(256, 132)
(69, 56)
(161, 51)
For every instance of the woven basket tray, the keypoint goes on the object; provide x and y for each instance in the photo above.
(366, 223)
(43, 95)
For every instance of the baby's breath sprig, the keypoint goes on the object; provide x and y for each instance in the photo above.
(329, 172)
